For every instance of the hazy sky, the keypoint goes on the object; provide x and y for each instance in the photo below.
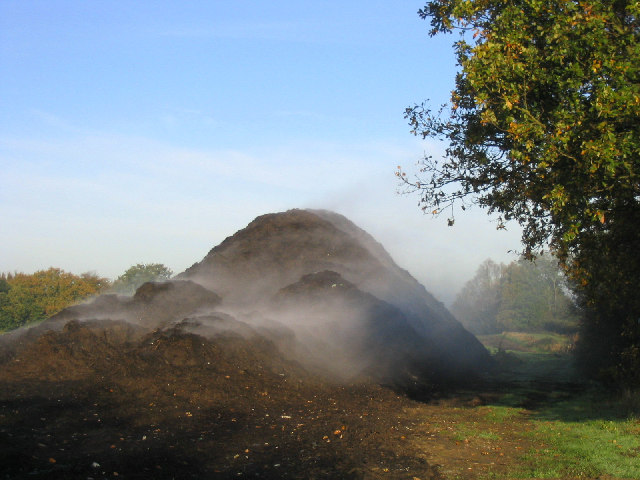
(148, 131)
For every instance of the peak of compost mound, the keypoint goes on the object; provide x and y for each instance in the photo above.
(277, 250)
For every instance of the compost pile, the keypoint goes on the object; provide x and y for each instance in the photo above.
(290, 351)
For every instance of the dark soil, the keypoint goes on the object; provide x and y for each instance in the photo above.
(77, 404)
(99, 400)
(165, 385)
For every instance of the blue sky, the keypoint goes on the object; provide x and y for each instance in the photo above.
(148, 131)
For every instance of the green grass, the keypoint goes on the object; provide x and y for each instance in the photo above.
(499, 414)
(542, 342)
(565, 427)
(589, 434)
(581, 437)
(588, 448)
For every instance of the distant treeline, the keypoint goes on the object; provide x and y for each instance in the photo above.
(30, 298)
(522, 296)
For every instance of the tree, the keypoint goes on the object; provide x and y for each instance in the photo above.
(129, 281)
(535, 296)
(523, 296)
(543, 128)
(29, 298)
(478, 303)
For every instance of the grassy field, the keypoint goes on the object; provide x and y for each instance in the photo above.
(538, 420)
(544, 342)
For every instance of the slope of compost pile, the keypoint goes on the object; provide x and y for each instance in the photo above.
(277, 250)
(285, 353)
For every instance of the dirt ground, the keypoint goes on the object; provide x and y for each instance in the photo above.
(82, 403)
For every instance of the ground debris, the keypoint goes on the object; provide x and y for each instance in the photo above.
(140, 417)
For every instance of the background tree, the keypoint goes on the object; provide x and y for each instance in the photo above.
(543, 128)
(534, 296)
(478, 303)
(523, 296)
(129, 281)
(29, 298)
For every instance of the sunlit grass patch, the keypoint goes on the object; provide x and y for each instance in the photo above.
(541, 421)
(501, 414)
(543, 342)
(588, 435)
(587, 448)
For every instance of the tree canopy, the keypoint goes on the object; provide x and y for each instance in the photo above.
(29, 298)
(136, 275)
(523, 296)
(478, 302)
(543, 128)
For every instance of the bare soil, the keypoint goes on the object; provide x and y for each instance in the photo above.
(77, 404)
(82, 403)
(82, 398)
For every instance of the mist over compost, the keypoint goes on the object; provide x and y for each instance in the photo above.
(297, 309)
(341, 294)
